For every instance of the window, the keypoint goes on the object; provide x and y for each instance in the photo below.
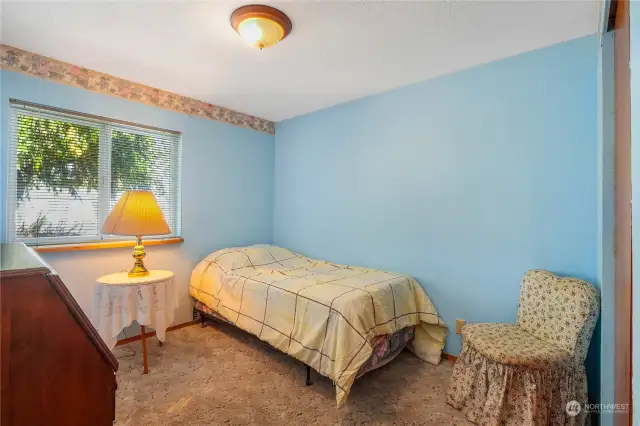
(67, 170)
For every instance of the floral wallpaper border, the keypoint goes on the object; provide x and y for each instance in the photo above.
(18, 60)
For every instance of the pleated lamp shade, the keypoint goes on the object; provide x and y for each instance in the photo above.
(136, 213)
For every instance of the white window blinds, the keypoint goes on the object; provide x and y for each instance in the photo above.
(67, 170)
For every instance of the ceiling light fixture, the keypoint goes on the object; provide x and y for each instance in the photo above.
(261, 26)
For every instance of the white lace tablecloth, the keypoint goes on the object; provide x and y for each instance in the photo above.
(119, 300)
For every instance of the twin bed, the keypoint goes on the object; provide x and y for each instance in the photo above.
(340, 320)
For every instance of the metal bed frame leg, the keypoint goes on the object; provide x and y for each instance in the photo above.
(203, 319)
(307, 382)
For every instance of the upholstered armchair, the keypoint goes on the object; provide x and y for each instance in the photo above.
(526, 373)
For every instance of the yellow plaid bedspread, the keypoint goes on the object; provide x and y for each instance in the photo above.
(322, 313)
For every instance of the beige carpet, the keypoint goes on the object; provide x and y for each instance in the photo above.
(220, 375)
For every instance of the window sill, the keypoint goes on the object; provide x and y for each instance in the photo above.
(105, 245)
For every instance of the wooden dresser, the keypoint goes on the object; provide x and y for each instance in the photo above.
(55, 368)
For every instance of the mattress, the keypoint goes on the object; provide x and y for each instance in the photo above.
(385, 348)
(324, 314)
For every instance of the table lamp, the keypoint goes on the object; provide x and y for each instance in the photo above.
(136, 213)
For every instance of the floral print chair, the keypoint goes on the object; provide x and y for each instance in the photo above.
(526, 373)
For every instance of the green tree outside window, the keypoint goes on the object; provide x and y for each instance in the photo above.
(63, 157)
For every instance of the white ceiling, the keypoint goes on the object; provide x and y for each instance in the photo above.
(337, 51)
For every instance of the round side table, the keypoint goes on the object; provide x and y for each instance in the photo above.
(118, 300)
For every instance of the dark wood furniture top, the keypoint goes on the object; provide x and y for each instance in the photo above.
(55, 368)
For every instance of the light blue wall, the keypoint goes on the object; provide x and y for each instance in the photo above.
(465, 181)
(227, 185)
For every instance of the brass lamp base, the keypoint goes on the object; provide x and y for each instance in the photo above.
(138, 269)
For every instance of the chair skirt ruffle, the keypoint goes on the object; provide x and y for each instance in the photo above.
(491, 393)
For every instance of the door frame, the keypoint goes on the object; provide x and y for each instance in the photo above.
(619, 22)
